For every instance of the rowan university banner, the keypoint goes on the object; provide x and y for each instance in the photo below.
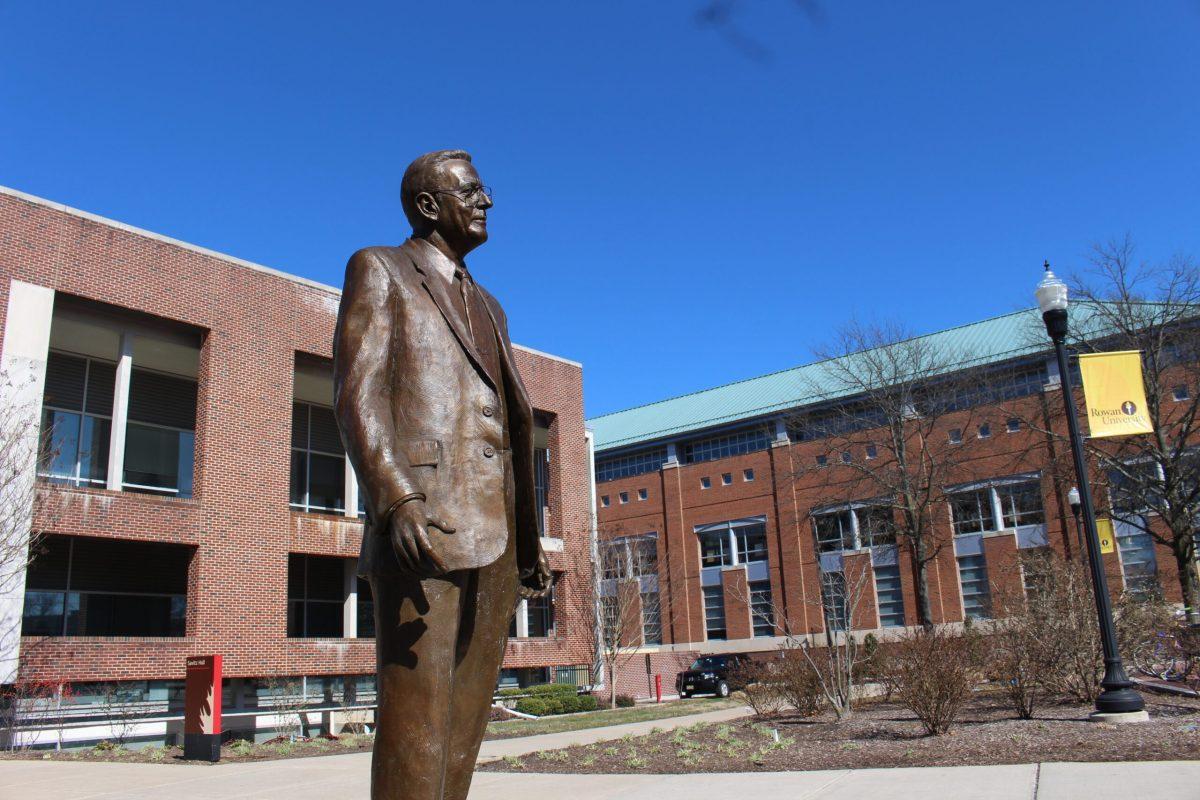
(1114, 393)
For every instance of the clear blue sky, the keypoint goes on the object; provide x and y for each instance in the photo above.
(673, 210)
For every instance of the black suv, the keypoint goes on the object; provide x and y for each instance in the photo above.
(708, 674)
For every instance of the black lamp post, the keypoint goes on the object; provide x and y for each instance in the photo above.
(1117, 695)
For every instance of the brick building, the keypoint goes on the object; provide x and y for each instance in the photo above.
(194, 496)
(750, 505)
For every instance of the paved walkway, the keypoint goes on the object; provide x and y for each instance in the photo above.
(346, 777)
(499, 748)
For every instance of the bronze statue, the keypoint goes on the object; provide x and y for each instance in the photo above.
(439, 427)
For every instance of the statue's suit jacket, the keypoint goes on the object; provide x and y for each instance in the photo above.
(419, 412)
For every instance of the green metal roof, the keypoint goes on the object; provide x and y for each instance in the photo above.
(992, 340)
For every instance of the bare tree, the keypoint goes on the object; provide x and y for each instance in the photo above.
(894, 429)
(617, 588)
(1155, 477)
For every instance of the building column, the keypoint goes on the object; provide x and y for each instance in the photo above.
(523, 619)
(351, 490)
(22, 387)
(120, 414)
(350, 606)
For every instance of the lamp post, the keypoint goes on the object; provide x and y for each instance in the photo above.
(1118, 701)
(1073, 501)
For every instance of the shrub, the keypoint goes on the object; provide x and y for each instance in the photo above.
(558, 689)
(759, 685)
(536, 706)
(625, 701)
(556, 703)
(799, 683)
(934, 674)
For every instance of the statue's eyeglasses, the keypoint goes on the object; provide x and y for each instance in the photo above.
(468, 194)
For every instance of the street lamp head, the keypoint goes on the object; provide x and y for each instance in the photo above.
(1073, 498)
(1051, 292)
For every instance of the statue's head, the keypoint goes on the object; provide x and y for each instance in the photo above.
(441, 193)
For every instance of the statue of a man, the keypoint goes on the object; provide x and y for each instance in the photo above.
(440, 431)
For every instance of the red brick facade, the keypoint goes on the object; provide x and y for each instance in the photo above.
(253, 322)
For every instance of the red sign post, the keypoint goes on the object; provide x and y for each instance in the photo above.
(202, 709)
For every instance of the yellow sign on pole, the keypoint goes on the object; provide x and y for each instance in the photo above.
(1114, 393)
(1104, 532)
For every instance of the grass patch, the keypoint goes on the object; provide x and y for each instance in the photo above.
(598, 719)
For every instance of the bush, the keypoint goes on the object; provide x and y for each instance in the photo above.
(799, 684)
(759, 685)
(558, 689)
(556, 703)
(625, 701)
(934, 674)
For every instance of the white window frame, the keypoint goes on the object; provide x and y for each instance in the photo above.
(992, 487)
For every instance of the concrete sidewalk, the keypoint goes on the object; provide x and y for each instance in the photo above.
(499, 748)
(347, 777)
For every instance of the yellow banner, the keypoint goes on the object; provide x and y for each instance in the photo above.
(1104, 532)
(1114, 393)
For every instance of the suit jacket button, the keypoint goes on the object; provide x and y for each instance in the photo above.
(489, 451)
(487, 411)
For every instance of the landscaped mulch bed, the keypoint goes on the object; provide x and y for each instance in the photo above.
(882, 734)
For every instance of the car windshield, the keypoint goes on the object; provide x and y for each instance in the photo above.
(709, 662)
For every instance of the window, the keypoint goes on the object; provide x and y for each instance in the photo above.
(160, 436)
(604, 501)
(705, 483)
(890, 594)
(1007, 383)
(623, 497)
(539, 613)
(608, 469)
(629, 557)
(76, 419)
(972, 511)
(834, 422)
(1013, 425)
(318, 460)
(727, 544)
(726, 478)
(732, 444)
(747, 475)
(872, 452)
(316, 596)
(972, 574)
(985, 430)
(955, 436)
(854, 528)
(833, 599)
(541, 486)
(642, 494)
(714, 612)
(1179, 393)
(846, 457)
(651, 618)
(1139, 565)
(822, 460)
(1021, 504)
(366, 610)
(762, 612)
(85, 586)
(1011, 503)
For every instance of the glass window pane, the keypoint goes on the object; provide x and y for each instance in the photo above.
(762, 612)
(751, 542)
(713, 546)
(1021, 504)
(327, 482)
(43, 615)
(151, 456)
(891, 596)
(714, 612)
(299, 483)
(93, 450)
(60, 444)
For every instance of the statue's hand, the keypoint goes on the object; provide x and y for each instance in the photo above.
(410, 539)
(537, 583)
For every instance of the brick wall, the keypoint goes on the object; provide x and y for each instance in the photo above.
(253, 322)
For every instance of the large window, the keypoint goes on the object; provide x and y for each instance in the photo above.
(540, 611)
(608, 469)
(762, 610)
(890, 594)
(853, 528)
(77, 419)
(541, 487)
(731, 444)
(316, 596)
(833, 598)
(629, 557)
(726, 544)
(714, 612)
(160, 437)
(318, 460)
(1000, 505)
(972, 573)
(651, 618)
(84, 586)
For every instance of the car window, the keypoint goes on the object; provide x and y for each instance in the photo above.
(709, 662)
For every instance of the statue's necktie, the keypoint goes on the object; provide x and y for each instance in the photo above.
(466, 288)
